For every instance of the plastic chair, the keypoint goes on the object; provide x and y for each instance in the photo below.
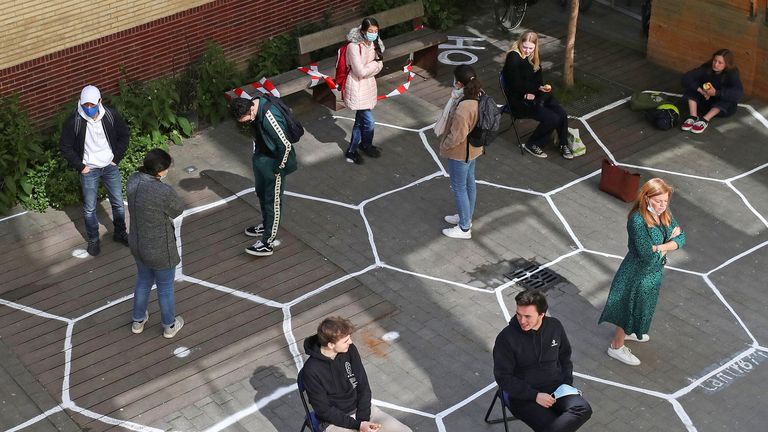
(310, 418)
(504, 398)
(509, 109)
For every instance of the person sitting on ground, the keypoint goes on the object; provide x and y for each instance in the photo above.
(337, 385)
(713, 88)
(529, 98)
(532, 364)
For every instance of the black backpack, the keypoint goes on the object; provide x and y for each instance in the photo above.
(294, 128)
(488, 119)
(664, 117)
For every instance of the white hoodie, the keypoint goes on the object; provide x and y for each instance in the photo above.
(97, 152)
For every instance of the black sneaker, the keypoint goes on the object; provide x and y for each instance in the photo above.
(535, 150)
(255, 231)
(372, 151)
(94, 248)
(259, 249)
(567, 153)
(121, 238)
(355, 158)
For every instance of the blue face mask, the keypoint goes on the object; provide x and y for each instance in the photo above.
(371, 36)
(90, 111)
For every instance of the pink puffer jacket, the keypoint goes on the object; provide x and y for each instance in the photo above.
(360, 90)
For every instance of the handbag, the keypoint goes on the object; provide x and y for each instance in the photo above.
(619, 182)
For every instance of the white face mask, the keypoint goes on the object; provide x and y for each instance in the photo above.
(652, 210)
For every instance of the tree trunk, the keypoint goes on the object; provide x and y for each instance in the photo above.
(570, 44)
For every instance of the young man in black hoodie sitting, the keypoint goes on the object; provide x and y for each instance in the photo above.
(337, 385)
(531, 359)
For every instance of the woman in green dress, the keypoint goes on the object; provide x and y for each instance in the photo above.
(653, 232)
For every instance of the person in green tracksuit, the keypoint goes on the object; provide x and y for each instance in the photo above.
(273, 158)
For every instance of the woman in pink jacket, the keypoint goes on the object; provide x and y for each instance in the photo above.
(364, 57)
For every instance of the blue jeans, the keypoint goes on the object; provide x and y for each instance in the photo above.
(163, 278)
(89, 183)
(464, 189)
(362, 131)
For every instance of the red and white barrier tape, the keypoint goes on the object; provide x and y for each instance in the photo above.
(263, 85)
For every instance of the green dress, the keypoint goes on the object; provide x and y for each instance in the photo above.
(635, 288)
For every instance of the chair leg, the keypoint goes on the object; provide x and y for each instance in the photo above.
(504, 417)
(519, 142)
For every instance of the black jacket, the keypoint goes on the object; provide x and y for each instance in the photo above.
(526, 363)
(72, 140)
(519, 79)
(338, 387)
(727, 83)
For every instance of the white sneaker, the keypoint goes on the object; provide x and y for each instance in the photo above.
(172, 330)
(633, 337)
(138, 326)
(457, 233)
(452, 219)
(624, 355)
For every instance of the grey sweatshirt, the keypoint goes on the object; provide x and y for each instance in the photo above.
(153, 205)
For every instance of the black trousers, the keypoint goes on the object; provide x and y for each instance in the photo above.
(567, 414)
(551, 117)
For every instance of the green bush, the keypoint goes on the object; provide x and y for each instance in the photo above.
(19, 148)
(274, 56)
(442, 14)
(215, 76)
(150, 108)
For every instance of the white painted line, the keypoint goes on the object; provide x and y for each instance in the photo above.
(36, 419)
(496, 185)
(752, 171)
(466, 401)
(381, 124)
(755, 114)
(541, 267)
(400, 408)
(33, 311)
(503, 305)
(330, 284)
(291, 339)
(371, 241)
(683, 415)
(569, 184)
(108, 305)
(260, 404)
(670, 172)
(113, 421)
(437, 279)
(13, 216)
(607, 255)
(623, 386)
(565, 223)
(390, 192)
(738, 257)
(599, 111)
(747, 203)
(432, 153)
(598, 140)
(67, 365)
(328, 201)
(730, 309)
(690, 387)
(237, 293)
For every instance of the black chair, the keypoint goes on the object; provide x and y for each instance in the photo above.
(503, 397)
(310, 418)
(509, 110)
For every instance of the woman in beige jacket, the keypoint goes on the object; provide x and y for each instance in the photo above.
(461, 155)
(364, 57)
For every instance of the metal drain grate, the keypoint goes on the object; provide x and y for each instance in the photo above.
(531, 276)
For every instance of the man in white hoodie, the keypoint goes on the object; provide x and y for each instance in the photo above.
(93, 141)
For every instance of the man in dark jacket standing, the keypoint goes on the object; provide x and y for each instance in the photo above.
(93, 141)
(337, 385)
(531, 361)
(273, 158)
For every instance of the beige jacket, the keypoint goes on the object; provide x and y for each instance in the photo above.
(360, 90)
(453, 143)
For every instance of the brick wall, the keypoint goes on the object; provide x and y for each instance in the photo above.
(685, 33)
(159, 47)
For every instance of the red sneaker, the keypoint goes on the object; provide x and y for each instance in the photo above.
(699, 126)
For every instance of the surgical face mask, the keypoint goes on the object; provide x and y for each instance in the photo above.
(652, 210)
(371, 36)
(90, 111)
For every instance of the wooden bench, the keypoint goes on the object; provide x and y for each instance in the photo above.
(423, 43)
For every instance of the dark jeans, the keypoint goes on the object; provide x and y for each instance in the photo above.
(89, 183)
(362, 131)
(551, 117)
(703, 105)
(567, 414)
(269, 189)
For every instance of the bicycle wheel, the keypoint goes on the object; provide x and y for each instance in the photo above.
(509, 13)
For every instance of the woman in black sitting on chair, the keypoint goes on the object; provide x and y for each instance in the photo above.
(529, 98)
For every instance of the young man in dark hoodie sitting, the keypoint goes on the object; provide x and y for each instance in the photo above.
(337, 385)
(531, 360)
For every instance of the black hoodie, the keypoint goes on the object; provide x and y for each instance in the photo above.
(526, 363)
(337, 388)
